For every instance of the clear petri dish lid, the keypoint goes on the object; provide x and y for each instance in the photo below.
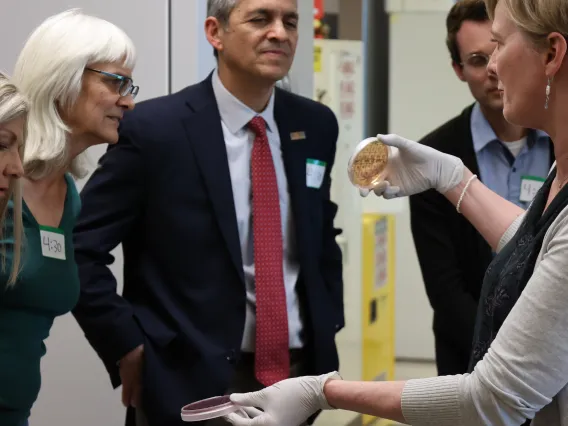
(210, 408)
(368, 164)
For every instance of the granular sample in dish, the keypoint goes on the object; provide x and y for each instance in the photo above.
(368, 164)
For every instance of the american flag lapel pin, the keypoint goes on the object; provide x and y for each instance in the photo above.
(296, 136)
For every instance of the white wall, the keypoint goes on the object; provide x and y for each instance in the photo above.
(424, 93)
(76, 389)
(331, 6)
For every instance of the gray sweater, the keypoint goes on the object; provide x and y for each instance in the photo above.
(524, 375)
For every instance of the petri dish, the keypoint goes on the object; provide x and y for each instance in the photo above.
(367, 166)
(210, 408)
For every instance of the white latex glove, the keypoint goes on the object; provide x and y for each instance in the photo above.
(289, 402)
(415, 168)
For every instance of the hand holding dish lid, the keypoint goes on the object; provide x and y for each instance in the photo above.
(210, 408)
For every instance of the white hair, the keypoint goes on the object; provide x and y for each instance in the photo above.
(13, 105)
(49, 72)
(221, 9)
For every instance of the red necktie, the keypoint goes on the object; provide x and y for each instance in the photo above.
(272, 357)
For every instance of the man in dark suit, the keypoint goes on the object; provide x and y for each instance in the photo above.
(511, 161)
(220, 196)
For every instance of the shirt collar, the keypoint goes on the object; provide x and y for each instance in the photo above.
(236, 114)
(482, 133)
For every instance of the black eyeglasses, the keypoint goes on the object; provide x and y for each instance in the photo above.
(126, 86)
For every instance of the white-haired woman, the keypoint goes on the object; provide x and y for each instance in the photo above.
(519, 363)
(76, 71)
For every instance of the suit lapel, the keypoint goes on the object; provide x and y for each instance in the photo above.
(206, 136)
(294, 157)
(551, 157)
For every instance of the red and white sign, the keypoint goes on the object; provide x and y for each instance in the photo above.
(318, 9)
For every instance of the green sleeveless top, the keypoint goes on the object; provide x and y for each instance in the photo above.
(47, 286)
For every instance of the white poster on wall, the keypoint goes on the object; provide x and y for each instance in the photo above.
(397, 6)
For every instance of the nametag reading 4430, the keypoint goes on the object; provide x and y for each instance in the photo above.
(529, 187)
(315, 171)
(52, 242)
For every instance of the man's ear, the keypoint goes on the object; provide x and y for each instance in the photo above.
(213, 32)
(458, 69)
(555, 53)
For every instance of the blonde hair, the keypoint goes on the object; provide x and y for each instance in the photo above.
(536, 18)
(49, 71)
(12, 105)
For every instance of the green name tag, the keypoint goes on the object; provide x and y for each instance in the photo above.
(529, 187)
(315, 172)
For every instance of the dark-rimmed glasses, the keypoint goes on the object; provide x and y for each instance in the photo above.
(126, 86)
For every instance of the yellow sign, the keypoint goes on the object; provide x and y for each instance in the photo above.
(378, 301)
(317, 58)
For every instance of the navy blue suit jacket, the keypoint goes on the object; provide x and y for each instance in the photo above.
(164, 192)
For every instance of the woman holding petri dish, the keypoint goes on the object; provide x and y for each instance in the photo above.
(519, 363)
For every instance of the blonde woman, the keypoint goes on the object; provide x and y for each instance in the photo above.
(519, 365)
(13, 113)
(76, 71)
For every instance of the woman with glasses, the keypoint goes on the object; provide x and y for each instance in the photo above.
(76, 72)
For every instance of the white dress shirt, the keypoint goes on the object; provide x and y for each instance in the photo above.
(239, 140)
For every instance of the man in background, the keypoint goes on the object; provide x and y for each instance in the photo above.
(510, 160)
(220, 196)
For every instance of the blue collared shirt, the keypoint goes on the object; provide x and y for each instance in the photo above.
(498, 169)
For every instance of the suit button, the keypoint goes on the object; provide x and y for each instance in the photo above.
(231, 356)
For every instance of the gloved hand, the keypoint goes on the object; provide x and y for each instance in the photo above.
(415, 168)
(289, 402)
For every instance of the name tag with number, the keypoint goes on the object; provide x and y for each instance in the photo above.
(52, 242)
(315, 171)
(529, 187)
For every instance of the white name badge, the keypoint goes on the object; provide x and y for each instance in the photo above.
(52, 242)
(315, 171)
(529, 187)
